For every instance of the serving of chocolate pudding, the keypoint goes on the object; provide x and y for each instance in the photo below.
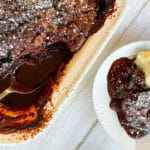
(130, 96)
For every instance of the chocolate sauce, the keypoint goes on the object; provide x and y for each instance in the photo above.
(130, 97)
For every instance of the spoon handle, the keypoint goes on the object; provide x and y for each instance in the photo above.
(6, 92)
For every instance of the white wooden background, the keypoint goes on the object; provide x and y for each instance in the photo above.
(78, 127)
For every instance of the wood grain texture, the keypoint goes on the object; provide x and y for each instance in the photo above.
(78, 127)
(98, 140)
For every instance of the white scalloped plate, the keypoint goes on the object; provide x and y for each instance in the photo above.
(101, 99)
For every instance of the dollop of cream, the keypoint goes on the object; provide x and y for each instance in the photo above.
(143, 62)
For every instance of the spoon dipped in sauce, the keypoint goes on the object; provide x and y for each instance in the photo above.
(23, 90)
(29, 79)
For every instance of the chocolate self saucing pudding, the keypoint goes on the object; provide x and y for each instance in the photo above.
(37, 39)
(128, 87)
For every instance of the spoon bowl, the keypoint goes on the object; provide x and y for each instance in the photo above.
(10, 90)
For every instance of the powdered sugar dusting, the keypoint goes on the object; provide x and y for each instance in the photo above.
(29, 26)
(137, 113)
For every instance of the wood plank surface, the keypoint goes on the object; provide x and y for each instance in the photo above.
(78, 127)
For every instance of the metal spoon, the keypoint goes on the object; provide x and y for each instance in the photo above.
(11, 89)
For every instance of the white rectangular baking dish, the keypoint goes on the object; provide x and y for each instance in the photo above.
(74, 73)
